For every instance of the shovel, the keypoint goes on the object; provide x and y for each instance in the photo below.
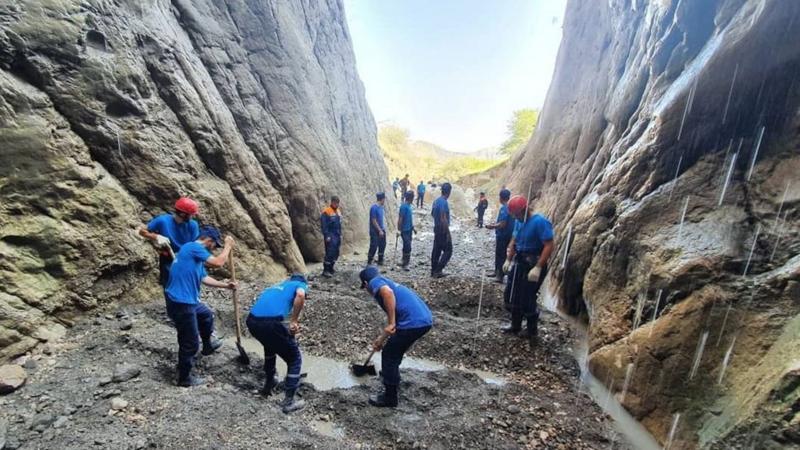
(243, 358)
(360, 370)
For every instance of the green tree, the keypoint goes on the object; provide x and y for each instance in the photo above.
(519, 130)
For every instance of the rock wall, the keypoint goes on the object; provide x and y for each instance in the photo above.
(109, 110)
(669, 151)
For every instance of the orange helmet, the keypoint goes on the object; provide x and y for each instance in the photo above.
(187, 206)
(517, 205)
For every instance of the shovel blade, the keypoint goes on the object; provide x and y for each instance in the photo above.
(361, 370)
(243, 358)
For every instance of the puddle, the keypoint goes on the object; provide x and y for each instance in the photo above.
(328, 429)
(328, 373)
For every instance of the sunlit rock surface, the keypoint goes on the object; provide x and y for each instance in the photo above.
(111, 110)
(654, 105)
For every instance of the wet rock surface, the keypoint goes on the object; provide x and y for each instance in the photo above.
(667, 158)
(539, 404)
(109, 111)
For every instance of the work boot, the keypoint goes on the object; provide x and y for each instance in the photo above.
(290, 404)
(190, 380)
(380, 260)
(210, 346)
(406, 260)
(499, 279)
(491, 274)
(533, 330)
(269, 385)
(385, 399)
(511, 329)
(326, 270)
(331, 269)
(439, 275)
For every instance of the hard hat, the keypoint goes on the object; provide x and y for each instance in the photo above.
(517, 204)
(187, 206)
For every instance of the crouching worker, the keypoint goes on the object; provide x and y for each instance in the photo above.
(408, 319)
(194, 319)
(266, 323)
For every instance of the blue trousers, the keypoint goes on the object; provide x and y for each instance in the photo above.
(275, 337)
(442, 250)
(407, 238)
(332, 249)
(164, 264)
(191, 321)
(393, 351)
(500, 246)
(376, 243)
(520, 294)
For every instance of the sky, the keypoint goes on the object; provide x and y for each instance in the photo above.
(453, 71)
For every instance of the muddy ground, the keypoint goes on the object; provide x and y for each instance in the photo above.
(67, 401)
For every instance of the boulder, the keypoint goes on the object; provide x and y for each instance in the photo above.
(12, 377)
(125, 372)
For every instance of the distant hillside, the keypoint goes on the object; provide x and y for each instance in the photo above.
(426, 161)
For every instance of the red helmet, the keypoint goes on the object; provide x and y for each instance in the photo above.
(187, 206)
(517, 205)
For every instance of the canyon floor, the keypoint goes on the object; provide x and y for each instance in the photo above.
(465, 386)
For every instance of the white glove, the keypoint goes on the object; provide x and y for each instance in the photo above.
(533, 275)
(507, 266)
(162, 241)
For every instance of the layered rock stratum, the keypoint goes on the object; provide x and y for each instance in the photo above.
(110, 110)
(667, 156)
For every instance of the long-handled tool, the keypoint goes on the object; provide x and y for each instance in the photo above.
(360, 370)
(243, 358)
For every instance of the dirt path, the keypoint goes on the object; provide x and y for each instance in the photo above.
(67, 402)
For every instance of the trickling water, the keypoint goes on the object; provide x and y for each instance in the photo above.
(780, 207)
(683, 217)
(688, 108)
(752, 249)
(627, 382)
(724, 322)
(637, 318)
(566, 246)
(675, 178)
(779, 236)
(726, 360)
(755, 153)
(698, 354)
(730, 94)
(727, 178)
(672, 430)
(655, 311)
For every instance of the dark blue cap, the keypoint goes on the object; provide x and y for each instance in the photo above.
(409, 196)
(446, 188)
(212, 232)
(380, 196)
(368, 274)
(298, 277)
(505, 194)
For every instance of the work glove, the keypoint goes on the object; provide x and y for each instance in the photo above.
(507, 266)
(398, 233)
(162, 241)
(533, 275)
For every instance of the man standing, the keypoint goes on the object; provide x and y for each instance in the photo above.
(442, 242)
(193, 320)
(481, 208)
(395, 186)
(332, 232)
(503, 228)
(421, 194)
(405, 228)
(407, 319)
(277, 303)
(405, 183)
(526, 262)
(172, 231)
(377, 231)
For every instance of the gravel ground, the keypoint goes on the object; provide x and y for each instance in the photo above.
(70, 401)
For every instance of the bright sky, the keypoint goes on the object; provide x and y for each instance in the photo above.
(452, 71)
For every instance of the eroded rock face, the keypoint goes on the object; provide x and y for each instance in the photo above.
(653, 106)
(111, 110)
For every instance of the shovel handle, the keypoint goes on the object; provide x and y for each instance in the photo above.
(383, 338)
(235, 299)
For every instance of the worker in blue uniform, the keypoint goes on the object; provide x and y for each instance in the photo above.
(526, 264)
(194, 321)
(503, 229)
(331, 221)
(405, 228)
(442, 241)
(267, 320)
(377, 229)
(408, 318)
